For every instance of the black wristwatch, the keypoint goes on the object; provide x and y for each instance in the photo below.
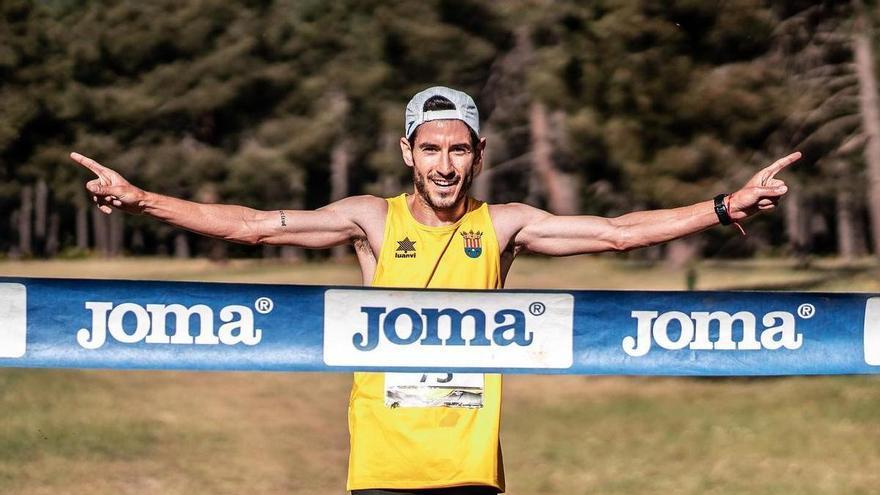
(721, 210)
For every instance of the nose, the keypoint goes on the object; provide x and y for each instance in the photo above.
(445, 167)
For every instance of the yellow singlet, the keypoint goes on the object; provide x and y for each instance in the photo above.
(434, 430)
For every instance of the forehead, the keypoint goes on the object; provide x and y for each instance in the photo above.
(443, 132)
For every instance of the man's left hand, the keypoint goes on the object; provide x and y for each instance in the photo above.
(761, 192)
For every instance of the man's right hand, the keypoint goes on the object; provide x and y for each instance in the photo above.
(111, 189)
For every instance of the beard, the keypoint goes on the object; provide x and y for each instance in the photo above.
(437, 200)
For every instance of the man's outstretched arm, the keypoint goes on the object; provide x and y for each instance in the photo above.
(329, 226)
(543, 233)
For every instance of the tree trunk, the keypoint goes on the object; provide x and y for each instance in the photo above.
(389, 185)
(25, 214)
(138, 244)
(13, 249)
(41, 214)
(796, 225)
(52, 236)
(559, 198)
(218, 251)
(181, 245)
(682, 252)
(864, 59)
(851, 241)
(101, 231)
(82, 226)
(115, 234)
(290, 253)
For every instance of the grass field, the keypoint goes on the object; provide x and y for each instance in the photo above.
(104, 432)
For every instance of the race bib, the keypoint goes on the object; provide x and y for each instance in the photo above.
(434, 390)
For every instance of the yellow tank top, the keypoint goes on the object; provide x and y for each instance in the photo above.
(434, 430)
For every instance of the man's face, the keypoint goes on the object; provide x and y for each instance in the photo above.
(444, 162)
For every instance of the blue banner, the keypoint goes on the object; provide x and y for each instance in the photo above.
(69, 323)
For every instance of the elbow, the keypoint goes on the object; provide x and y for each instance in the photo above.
(617, 238)
(248, 233)
(631, 244)
(624, 239)
(248, 228)
(621, 246)
(247, 237)
(250, 240)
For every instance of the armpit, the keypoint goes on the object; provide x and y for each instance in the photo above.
(362, 246)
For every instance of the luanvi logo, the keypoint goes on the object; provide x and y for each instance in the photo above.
(448, 329)
(130, 323)
(405, 248)
(872, 331)
(13, 320)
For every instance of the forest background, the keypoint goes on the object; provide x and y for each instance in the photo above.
(598, 107)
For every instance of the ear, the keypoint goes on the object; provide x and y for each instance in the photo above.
(406, 152)
(478, 156)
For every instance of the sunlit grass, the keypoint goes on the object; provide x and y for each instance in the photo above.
(584, 272)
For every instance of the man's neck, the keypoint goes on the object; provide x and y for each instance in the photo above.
(433, 217)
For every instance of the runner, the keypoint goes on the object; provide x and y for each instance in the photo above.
(434, 433)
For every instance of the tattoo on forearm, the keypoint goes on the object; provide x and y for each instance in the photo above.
(283, 218)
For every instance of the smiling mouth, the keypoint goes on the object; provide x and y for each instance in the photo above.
(445, 183)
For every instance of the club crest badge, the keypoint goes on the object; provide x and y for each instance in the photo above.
(473, 244)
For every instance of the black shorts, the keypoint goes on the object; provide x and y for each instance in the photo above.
(455, 490)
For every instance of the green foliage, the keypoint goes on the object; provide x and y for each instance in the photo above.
(656, 103)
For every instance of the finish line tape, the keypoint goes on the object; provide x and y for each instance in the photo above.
(68, 323)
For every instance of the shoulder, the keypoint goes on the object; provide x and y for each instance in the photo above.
(366, 212)
(509, 219)
(515, 214)
(360, 206)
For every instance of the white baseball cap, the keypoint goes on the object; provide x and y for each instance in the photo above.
(465, 109)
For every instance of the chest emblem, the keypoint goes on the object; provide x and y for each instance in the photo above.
(405, 248)
(473, 243)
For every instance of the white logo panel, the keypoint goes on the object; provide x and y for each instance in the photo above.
(13, 320)
(448, 329)
(872, 331)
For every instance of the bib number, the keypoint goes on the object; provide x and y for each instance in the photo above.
(434, 390)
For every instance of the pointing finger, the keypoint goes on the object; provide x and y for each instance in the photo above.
(95, 167)
(780, 164)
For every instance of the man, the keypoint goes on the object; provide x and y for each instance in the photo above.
(434, 433)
